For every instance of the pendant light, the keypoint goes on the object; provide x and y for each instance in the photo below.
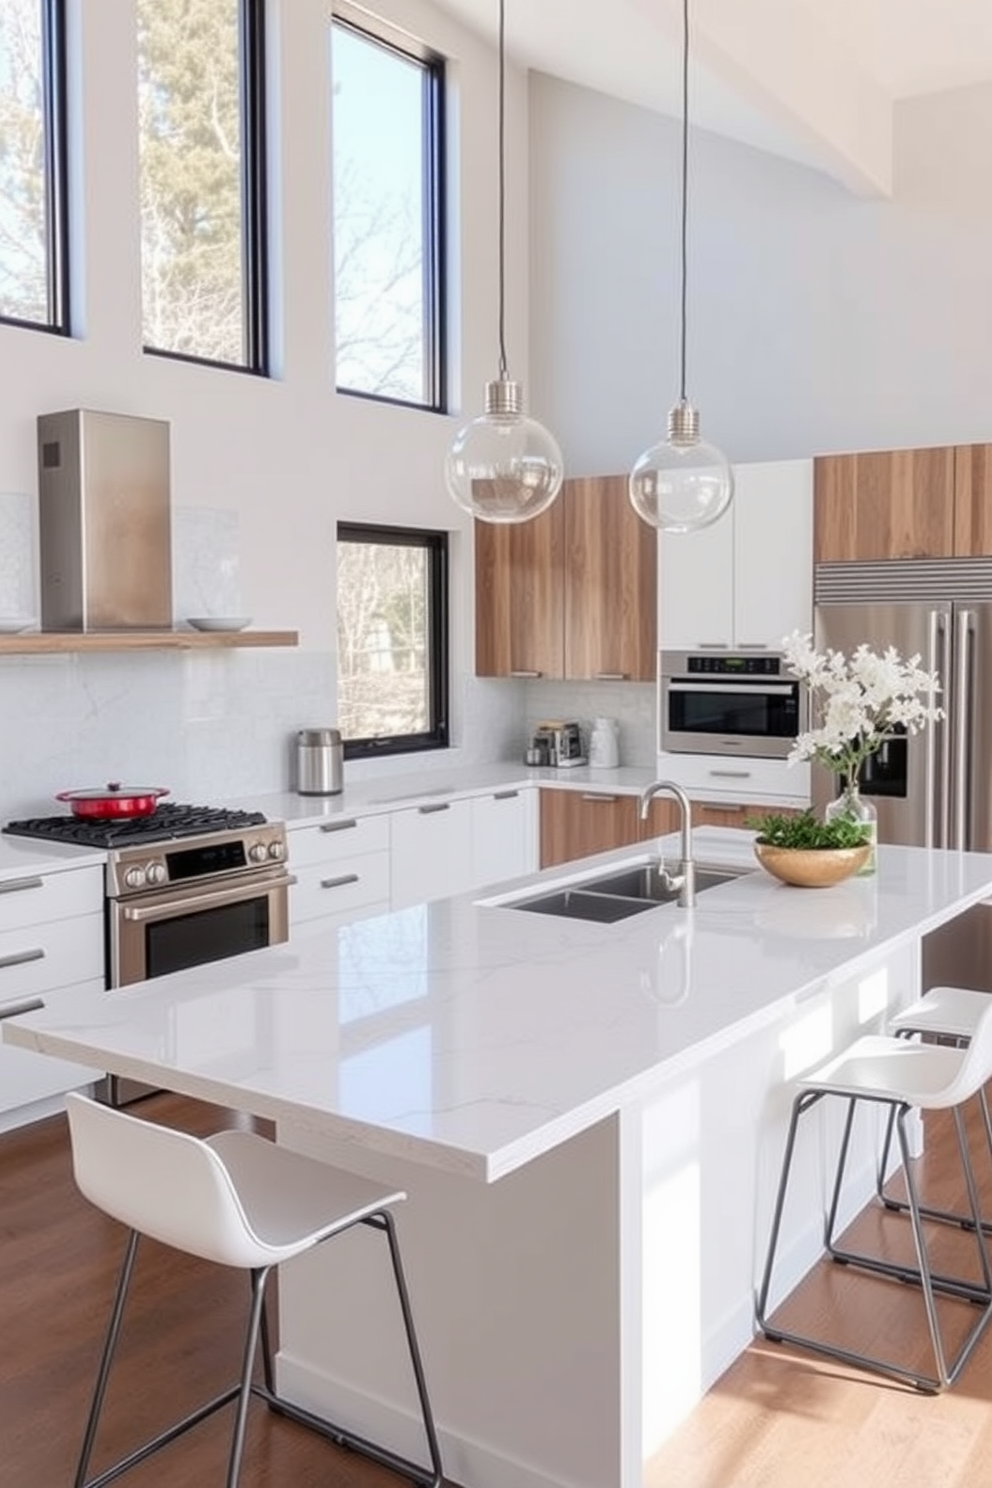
(681, 483)
(503, 466)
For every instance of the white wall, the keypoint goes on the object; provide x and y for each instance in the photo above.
(817, 321)
(287, 455)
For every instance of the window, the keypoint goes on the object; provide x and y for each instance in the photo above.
(33, 241)
(202, 161)
(392, 639)
(388, 213)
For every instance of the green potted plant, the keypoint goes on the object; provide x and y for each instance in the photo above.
(810, 853)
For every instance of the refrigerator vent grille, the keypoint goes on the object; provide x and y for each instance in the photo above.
(908, 580)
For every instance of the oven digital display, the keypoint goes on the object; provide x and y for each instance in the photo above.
(193, 862)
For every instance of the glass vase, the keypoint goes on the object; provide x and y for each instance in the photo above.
(851, 804)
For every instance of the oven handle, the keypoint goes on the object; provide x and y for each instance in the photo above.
(141, 914)
(780, 689)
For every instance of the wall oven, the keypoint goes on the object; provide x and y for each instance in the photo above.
(726, 702)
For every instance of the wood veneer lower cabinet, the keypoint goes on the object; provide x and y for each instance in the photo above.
(577, 823)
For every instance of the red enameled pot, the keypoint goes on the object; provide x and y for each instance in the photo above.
(113, 800)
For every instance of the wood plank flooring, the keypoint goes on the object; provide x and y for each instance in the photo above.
(777, 1419)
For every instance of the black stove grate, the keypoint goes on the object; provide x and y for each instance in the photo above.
(168, 820)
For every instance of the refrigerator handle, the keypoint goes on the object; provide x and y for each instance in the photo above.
(963, 681)
(937, 767)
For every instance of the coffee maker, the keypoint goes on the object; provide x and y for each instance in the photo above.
(557, 744)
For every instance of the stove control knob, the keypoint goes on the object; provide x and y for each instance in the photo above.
(257, 853)
(134, 878)
(156, 873)
(277, 851)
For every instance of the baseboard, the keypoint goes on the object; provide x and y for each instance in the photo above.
(465, 1461)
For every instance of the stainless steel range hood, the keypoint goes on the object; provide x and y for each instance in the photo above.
(104, 522)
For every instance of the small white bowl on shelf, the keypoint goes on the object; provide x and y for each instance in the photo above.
(219, 622)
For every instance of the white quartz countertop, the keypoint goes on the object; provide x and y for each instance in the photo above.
(473, 1036)
(20, 856)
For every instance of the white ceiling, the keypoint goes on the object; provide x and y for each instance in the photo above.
(813, 80)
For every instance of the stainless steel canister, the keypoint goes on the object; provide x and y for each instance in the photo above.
(319, 762)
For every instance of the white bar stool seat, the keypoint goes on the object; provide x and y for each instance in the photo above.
(238, 1200)
(902, 1076)
(949, 1015)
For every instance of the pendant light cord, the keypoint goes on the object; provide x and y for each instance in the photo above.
(501, 130)
(685, 190)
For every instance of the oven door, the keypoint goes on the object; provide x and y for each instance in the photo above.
(188, 925)
(757, 717)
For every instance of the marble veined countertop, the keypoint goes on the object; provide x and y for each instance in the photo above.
(474, 1036)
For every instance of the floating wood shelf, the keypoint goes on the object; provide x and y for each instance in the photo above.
(35, 642)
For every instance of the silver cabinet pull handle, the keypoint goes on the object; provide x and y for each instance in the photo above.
(435, 806)
(516, 673)
(338, 826)
(713, 645)
(611, 676)
(21, 958)
(731, 774)
(26, 1005)
(592, 796)
(15, 885)
(505, 795)
(340, 881)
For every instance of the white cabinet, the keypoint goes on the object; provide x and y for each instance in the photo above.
(431, 854)
(341, 868)
(746, 581)
(504, 835)
(51, 938)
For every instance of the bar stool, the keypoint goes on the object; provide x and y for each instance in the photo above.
(900, 1075)
(948, 1015)
(239, 1200)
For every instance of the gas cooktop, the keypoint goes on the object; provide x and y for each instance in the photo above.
(169, 820)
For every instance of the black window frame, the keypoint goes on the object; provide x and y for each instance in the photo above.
(434, 155)
(54, 115)
(435, 544)
(253, 99)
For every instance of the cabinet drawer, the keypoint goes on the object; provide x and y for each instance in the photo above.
(26, 1077)
(739, 779)
(37, 958)
(339, 887)
(34, 898)
(338, 839)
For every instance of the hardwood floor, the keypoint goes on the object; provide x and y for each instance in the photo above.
(777, 1418)
(784, 1418)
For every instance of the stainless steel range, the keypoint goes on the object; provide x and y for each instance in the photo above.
(185, 885)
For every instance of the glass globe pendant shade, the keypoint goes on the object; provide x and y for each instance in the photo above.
(682, 483)
(504, 466)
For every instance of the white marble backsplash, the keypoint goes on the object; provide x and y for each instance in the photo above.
(632, 704)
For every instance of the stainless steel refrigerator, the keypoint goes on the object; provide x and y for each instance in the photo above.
(933, 789)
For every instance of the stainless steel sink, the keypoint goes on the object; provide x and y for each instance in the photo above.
(620, 894)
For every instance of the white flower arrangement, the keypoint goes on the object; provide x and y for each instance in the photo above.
(857, 702)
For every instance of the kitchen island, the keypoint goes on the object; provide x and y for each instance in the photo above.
(588, 1119)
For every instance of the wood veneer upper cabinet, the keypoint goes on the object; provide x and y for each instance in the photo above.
(572, 593)
(519, 596)
(611, 583)
(577, 823)
(884, 504)
(973, 500)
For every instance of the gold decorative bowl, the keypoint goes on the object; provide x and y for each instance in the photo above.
(811, 868)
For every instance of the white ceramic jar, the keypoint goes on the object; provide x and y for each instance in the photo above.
(604, 744)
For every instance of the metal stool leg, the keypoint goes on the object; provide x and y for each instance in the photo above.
(106, 1358)
(414, 1347)
(256, 1313)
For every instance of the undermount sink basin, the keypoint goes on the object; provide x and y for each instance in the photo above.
(619, 894)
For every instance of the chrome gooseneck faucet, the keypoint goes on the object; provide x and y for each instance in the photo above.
(685, 881)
